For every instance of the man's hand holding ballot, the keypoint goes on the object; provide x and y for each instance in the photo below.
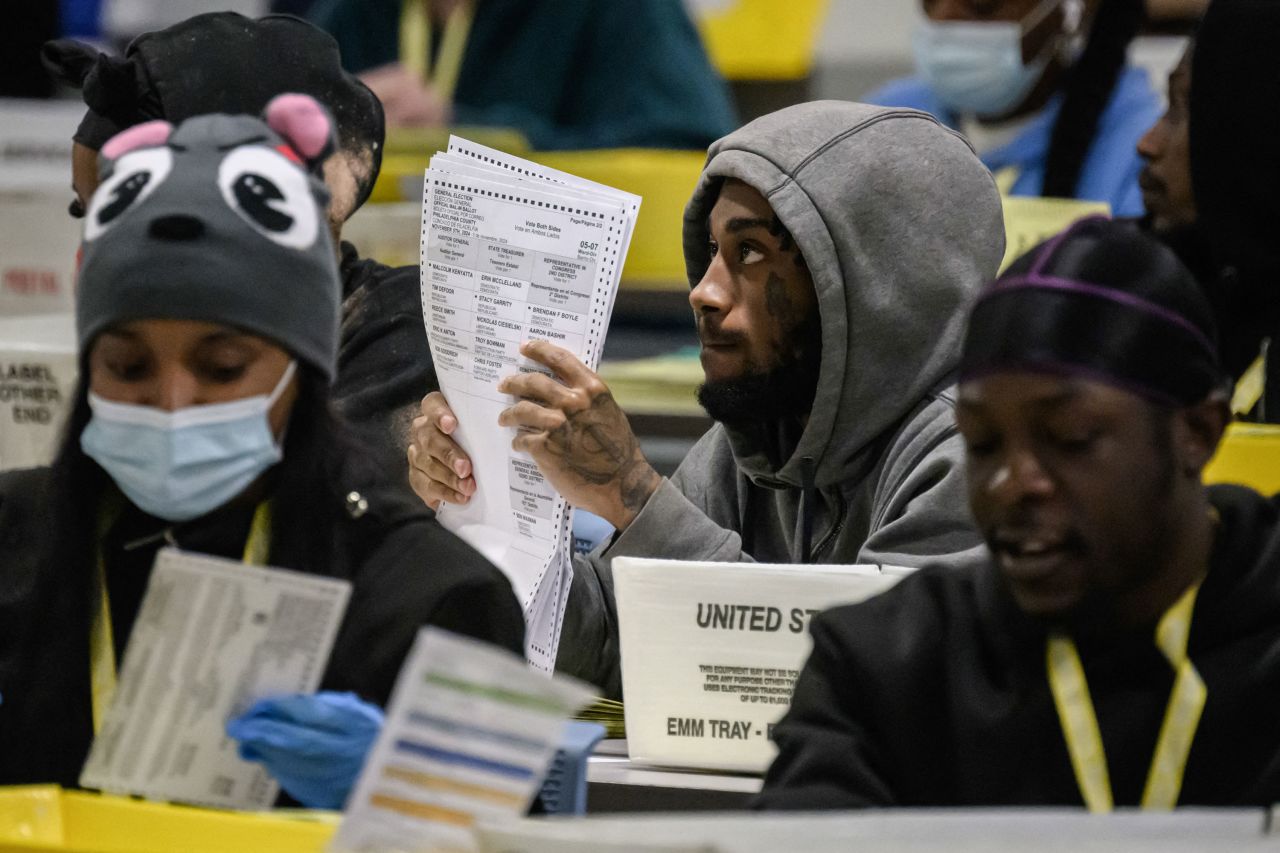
(570, 425)
(514, 252)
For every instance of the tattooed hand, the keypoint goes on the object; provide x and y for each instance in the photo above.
(579, 437)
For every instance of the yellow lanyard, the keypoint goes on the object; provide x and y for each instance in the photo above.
(1181, 718)
(102, 647)
(415, 42)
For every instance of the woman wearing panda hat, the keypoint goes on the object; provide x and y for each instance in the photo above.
(207, 318)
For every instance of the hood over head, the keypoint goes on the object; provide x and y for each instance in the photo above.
(900, 225)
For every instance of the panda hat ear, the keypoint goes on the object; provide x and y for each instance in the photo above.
(304, 124)
(146, 135)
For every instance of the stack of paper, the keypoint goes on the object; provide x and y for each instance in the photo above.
(663, 385)
(469, 735)
(608, 713)
(513, 251)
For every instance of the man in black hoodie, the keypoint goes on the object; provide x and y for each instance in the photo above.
(1211, 191)
(1122, 645)
(225, 62)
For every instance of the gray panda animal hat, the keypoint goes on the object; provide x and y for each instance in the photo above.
(219, 219)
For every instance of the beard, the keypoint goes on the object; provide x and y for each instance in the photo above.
(768, 394)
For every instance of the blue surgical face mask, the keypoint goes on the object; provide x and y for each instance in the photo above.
(976, 67)
(181, 465)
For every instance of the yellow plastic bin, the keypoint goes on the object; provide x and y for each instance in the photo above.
(48, 818)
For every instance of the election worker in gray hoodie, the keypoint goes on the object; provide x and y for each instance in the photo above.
(832, 249)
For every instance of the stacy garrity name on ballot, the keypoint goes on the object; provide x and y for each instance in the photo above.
(513, 251)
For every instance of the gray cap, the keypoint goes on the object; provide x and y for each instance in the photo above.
(216, 220)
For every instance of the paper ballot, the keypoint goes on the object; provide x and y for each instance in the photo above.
(212, 636)
(469, 735)
(513, 251)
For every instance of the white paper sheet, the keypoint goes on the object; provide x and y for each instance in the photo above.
(512, 251)
(212, 636)
(469, 735)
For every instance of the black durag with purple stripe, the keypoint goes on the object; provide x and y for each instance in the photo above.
(1104, 302)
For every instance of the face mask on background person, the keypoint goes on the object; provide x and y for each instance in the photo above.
(183, 464)
(976, 67)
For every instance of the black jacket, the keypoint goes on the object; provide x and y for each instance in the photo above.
(384, 362)
(1235, 179)
(406, 572)
(935, 693)
(1246, 312)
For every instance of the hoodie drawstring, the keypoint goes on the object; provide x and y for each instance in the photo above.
(807, 497)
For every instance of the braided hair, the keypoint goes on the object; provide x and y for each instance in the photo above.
(1087, 91)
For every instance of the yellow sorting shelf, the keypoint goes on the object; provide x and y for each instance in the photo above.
(664, 179)
(661, 385)
(762, 40)
(1029, 221)
(1250, 456)
(46, 818)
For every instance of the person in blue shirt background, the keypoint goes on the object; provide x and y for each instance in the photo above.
(568, 74)
(1048, 117)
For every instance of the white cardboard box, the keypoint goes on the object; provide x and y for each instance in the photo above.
(711, 651)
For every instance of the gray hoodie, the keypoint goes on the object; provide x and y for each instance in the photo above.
(900, 224)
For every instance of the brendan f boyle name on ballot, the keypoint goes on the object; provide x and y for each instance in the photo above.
(711, 651)
(511, 252)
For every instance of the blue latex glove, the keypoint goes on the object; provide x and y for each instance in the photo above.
(313, 744)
